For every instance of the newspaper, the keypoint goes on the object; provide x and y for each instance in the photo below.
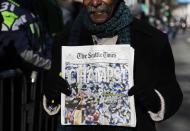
(100, 77)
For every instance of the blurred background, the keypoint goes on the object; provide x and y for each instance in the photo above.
(170, 16)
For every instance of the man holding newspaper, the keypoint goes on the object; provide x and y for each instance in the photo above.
(156, 92)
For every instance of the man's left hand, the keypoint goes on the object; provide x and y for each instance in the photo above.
(147, 97)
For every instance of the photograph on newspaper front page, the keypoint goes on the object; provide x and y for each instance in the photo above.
(100, 77)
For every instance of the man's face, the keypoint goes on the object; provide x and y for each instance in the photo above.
(99, 10)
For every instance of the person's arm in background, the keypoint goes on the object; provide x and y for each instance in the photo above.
(54, 85)
(19, 41)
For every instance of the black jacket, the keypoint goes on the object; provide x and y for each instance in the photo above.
(153, 68)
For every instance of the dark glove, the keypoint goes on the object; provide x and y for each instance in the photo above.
(54, 86)
(147, 97)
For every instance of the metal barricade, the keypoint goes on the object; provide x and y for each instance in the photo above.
(21, 103)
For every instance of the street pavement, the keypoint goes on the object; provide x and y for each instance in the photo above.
(181, 51)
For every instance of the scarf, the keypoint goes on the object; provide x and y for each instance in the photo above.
(117, 25)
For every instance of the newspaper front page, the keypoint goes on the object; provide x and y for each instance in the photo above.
(100, 77)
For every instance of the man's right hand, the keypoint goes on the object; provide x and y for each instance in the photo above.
(54, 86)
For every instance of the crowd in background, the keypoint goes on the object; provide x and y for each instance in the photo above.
(162, 18)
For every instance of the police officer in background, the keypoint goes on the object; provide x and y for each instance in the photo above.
(22, 36)
(25, 44)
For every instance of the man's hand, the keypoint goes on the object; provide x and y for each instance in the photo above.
(147, 97)
(54, 86)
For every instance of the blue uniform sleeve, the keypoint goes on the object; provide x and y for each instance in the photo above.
(24, 49)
